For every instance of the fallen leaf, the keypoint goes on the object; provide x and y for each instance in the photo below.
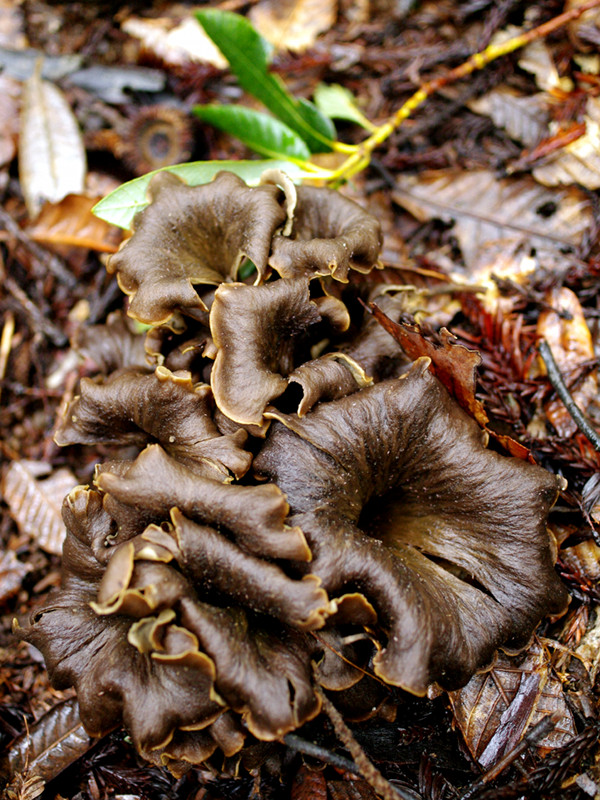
(309, 784)
(51, 152)
(523, 117)
(496, 708)
(537, 59)
(12, 572)
(12, 25)
(71, 222)
(485, 208)
(293, 24)
(583, 31)
(571, 343)
(35, 504)
(175, 43)
(579, 161)
(10, 93)
(356, 789)
(50, 745)
(454, 365)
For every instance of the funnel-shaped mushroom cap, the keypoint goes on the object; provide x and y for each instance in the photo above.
(400, 500)
(193, 235)
(331, 235)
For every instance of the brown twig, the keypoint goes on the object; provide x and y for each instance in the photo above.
(560, 387)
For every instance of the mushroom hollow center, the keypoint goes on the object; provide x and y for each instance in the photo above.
(387, 517)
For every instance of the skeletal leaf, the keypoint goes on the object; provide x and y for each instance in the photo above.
(571, 343)
(293, 24)
(12, 572)
(35, 505)
(485, 209)
(51, 152)
(579, 161)
(496, 708)
(523, 117)
(50, 745)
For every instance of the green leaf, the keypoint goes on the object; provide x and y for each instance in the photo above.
(249, 55)
(121, 206)
(264, 134)
(338, 102)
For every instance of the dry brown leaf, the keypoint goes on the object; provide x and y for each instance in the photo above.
(454, 365)
(579, 161)
(12, 572)
(71, 223)
(309, 784)
(293, 24)
(35, 504)
(523, 117)
(51, 153)
(356, 789)
(485, 208)
(496, 708)
(175, 42)
(571, 343)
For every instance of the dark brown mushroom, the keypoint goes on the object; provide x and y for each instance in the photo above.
(400, 500)
(135, 630)
(255, 329)
(331, 235)
(135, 408)
(193, 235)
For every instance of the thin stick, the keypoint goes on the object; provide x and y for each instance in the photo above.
(8, 330)
(539, 731)
(321, 753)
(367, 769)
(560, 387)
(359, 160)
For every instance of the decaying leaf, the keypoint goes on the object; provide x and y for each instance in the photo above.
(50, 745)
(584, 30)
(12, 572)
(571, 343)
(484, 209)
(35, 504)
(309, 784)
(454, 365)
(52, 160)
(523, 117)
(10, 92)
(356, 789)
(293, 24)
(71, 222)
(496, 708)
(579, 161)
(537, 59)
(177, 43)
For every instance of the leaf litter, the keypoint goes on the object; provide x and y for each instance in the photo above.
(466, 220)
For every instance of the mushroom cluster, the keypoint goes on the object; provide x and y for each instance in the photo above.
(287, 488)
